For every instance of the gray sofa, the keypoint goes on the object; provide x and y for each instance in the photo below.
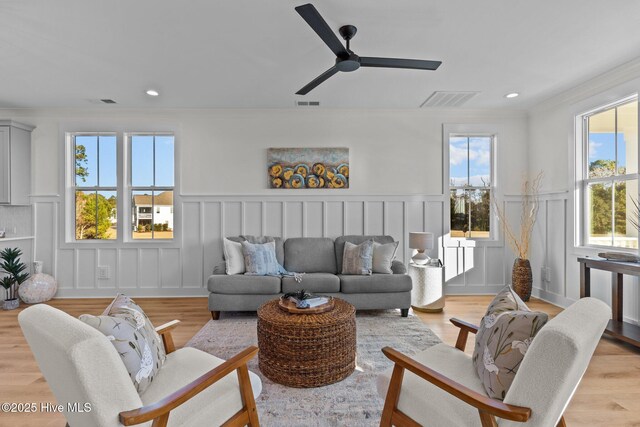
(321, 261)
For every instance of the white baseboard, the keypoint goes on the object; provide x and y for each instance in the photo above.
(132, 292)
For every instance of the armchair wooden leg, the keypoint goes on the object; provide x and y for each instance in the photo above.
(393, 394)
(561, 423)
(161, 421)
(487, 420)
(215, 315)
(246, 392)
(404, 312)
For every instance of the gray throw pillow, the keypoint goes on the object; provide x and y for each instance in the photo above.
(505, 333)
(358, 259)
(383, 256)
(130, 331)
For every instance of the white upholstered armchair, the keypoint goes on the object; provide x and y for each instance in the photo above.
(439, 386)
(193, 388)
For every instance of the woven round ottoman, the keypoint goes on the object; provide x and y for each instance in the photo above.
(307, 350)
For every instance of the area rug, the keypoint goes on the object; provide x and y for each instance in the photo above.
(351, 402)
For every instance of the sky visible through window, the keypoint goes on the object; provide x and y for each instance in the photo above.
(141, 157)
(602, 147)
(470, 161)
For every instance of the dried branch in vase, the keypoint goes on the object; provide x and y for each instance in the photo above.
(520, 242)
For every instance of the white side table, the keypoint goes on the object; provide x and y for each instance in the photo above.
(427, 294)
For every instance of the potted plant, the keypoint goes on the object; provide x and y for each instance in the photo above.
(521, 276)
(15, 271)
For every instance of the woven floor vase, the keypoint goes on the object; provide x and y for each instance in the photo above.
(522, 278)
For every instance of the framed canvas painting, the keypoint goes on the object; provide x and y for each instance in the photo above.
(326, 167)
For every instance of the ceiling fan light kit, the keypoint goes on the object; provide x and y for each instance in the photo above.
(346, 59)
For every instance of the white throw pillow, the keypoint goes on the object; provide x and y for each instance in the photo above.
(233, 257)
(383, 256)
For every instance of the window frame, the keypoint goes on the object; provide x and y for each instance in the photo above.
(471, 130)
(129, 188)
(66, 218)
(467, 186)
(92, 189)
(583, 180)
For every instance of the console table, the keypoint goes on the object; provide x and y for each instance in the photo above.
(617, 328)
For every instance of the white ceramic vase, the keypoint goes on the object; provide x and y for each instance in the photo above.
(39, 287)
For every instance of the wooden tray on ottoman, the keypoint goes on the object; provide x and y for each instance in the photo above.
(290, 307)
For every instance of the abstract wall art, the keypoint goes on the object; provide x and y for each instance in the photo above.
(326, 167)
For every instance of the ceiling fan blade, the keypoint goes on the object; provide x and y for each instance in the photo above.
(317, 81)
(310, 14)
(416, 64)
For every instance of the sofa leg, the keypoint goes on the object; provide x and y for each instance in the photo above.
(404, 312)
(215, 315)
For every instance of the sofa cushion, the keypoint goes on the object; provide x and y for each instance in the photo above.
(213, 406)
(241, 284)
(356, 240)
(310, 255)
(350, 284)
(312, 282)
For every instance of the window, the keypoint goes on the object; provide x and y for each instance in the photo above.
(470, 185)
(95, 186)
(152, 184)
(610, 174)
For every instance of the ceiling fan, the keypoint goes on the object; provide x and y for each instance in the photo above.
(346, 60)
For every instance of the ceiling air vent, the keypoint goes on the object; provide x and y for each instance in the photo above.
(445, 99)
(108, 101)
(307, 103)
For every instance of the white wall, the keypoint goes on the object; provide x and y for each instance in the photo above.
(551, 149)
(395, 187)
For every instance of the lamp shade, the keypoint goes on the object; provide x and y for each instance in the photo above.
(421, 240)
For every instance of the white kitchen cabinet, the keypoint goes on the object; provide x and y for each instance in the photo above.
(15, 163)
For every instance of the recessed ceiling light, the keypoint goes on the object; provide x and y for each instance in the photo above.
(152, 92)
(509, 95)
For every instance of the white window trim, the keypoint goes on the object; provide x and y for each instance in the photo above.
(66, 219)
(581, 180)
(449, 130)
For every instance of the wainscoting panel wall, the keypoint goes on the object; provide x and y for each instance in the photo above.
(552, 249)
(181, 267)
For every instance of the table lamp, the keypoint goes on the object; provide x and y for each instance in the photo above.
(421, 241)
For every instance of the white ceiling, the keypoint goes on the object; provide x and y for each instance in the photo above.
(257, 54)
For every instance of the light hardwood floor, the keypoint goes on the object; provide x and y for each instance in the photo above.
(609, 394)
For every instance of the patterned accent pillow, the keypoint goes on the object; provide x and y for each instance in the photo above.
(358, 259)
(505, 333)
(383, 256)
(130, 331)
(260, 259)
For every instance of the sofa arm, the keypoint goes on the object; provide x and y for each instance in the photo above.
(220, 268)
(398, 267)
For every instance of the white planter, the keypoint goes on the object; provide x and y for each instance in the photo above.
(39, 287)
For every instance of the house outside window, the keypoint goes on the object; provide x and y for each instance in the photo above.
(470, 185)
(151, 169)
(609, 173)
